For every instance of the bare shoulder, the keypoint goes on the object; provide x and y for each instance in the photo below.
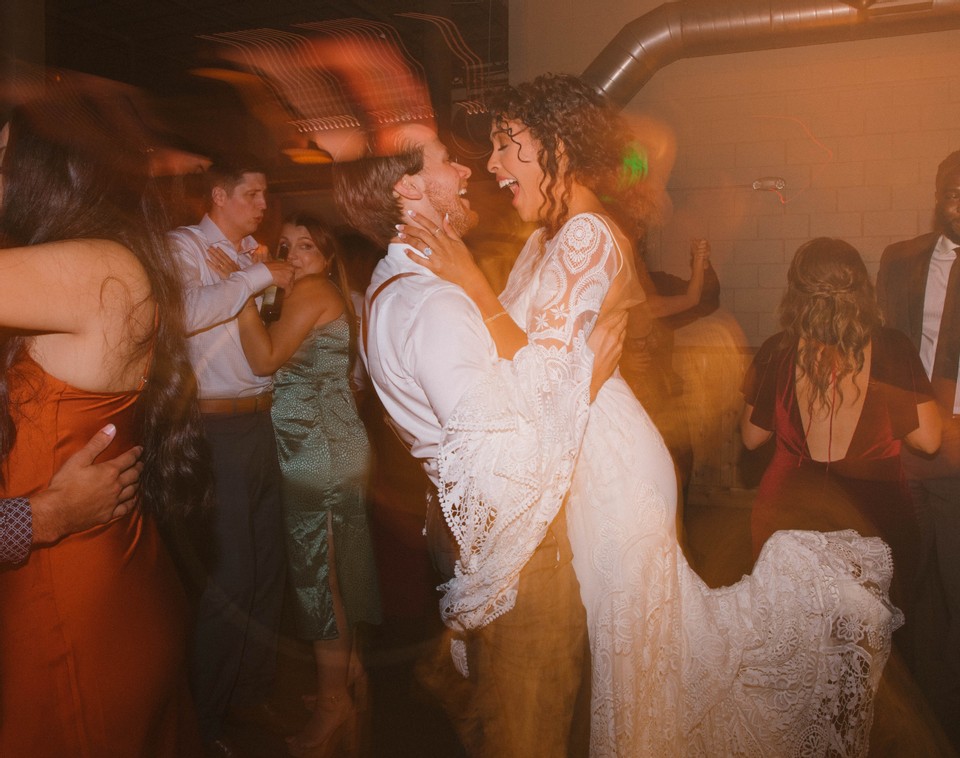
(96, 257)
(317, 295)
(86, 268)
(316, 287)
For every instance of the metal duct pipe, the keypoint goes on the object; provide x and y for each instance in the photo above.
(693, 28)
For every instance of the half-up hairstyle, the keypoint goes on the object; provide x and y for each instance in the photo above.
(830, 312)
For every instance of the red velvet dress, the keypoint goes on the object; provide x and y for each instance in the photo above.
(866, 489)
(93, 630)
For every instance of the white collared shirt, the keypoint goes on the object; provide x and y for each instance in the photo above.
(426, 343)
(211, 307)
(933, 298)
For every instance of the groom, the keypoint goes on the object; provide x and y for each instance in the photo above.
(424, 342)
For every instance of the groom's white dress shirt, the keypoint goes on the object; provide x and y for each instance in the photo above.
(425, 344)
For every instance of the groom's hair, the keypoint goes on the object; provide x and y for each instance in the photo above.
(363, 191)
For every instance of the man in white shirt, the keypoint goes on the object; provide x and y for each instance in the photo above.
(918, 287)
(233, 657)
(424, 343)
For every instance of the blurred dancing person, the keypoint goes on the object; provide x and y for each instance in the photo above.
(93, 640)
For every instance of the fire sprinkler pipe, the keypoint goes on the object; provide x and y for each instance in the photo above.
(695, 28)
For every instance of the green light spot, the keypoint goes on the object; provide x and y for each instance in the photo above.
(635, 166)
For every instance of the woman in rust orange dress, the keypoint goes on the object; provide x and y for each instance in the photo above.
(92, 637)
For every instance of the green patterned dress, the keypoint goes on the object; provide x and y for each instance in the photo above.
(325, 459)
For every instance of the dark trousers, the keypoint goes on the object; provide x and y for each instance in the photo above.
(936, 622)
(234, 651)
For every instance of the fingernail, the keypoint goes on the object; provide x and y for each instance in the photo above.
(411, 213)
(401, 236)
(110, 430)
(399, 227)
(446, 216)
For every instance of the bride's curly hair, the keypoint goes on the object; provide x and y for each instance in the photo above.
(560, 109)
(829, 312)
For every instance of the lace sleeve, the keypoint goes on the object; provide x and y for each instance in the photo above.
(507, 453)
(580, 266)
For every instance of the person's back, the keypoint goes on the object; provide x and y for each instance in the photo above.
(88, 346)
(840, 393)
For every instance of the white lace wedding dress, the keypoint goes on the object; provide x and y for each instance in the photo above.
(784, 663)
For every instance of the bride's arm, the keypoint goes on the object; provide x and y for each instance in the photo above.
(566, 314)
(575, 280)
(452, 260)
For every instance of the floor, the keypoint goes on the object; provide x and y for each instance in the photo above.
(403, 721)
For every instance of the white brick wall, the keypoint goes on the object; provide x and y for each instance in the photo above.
(856, 130)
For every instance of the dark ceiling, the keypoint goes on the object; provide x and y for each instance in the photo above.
(158, 44)
(154, 43)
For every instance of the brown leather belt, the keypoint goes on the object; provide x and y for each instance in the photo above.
(226, 405)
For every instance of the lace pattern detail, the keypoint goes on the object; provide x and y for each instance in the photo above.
(505, 462)
(784, 663)
(573, 276)
(506, 455)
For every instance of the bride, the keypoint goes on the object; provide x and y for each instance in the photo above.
(784, 663)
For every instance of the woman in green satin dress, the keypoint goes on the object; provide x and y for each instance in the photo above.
(324, 455)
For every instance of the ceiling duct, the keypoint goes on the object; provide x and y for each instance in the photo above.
(695, 28)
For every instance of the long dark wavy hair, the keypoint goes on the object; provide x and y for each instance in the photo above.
(94, 186)
(596, 144)
(328, 246)
(830, 312)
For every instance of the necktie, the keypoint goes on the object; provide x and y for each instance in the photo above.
(947, 358)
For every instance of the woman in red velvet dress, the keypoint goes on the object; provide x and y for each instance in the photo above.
(840, 393)
(92, 638)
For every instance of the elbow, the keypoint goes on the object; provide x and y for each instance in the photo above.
(263, 369)
(927, 436)
(262, 366)
(753, 436)
(927, 442)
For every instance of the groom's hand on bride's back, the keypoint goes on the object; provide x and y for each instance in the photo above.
(606, 342)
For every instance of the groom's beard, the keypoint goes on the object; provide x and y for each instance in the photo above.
(462, 219)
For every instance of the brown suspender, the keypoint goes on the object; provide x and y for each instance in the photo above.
(377, 291)
(440, 541)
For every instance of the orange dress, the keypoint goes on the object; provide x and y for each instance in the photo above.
(93, 628)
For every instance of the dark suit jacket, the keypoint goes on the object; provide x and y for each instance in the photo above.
(902, 281)
(901, 284)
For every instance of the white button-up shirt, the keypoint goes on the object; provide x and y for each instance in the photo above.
(933, 299)
(212, 306)
(425, 344)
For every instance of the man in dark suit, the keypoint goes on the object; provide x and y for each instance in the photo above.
(918, 287)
